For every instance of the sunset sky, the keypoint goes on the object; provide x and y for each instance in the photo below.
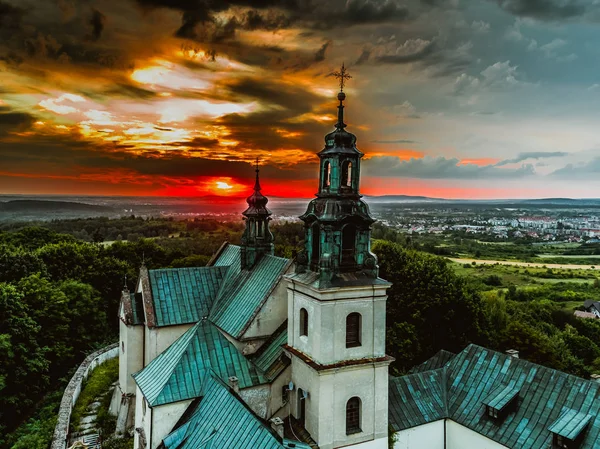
(449, 98)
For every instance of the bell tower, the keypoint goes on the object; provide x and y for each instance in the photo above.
(336, 308)
(257, 239)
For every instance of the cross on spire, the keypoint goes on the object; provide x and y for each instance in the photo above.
(342, 76)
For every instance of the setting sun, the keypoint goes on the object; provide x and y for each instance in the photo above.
(223, 185)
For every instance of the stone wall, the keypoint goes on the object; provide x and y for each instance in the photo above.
(61, 431)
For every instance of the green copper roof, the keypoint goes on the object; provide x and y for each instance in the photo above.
(472, 376)
(501, 396)
(244, 291)
(184, 295)
(221, 421)
(178, 372)
(416, 399)
(268, 357)
(570, 424)
(440, 359)
(229, 256)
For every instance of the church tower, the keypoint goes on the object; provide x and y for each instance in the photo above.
(257, 239)
(336, 308)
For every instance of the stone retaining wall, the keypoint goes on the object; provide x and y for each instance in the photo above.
(61, 431)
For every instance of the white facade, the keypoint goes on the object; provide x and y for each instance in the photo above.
(157, 339)
(443, 434)
(131, 354)
(427, 436)
(327, 374)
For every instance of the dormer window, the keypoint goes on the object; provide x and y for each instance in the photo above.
(568, 431)
(501, 402)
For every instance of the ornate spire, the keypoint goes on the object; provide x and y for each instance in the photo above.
(342, 76)
(257, 239)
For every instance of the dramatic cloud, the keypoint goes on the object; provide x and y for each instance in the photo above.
(544, 9)
(440, 168)
(532, 155)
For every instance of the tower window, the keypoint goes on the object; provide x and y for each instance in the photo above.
(316, 244)
(353, 330)
(347, 174)
(353, 416)
(348, 245)
(303, 323)
(327, 174)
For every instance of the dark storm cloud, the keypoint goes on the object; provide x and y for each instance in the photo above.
(320, 54)
(10, 17)
(67, 156)
(393, 141)
(11, 121)
(97, 22)
(544, 9)
(440, 168)
(532, 155)
(364, 56)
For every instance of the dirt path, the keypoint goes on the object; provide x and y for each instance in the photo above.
(559, 266)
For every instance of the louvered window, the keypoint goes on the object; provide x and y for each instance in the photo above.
(353, 325)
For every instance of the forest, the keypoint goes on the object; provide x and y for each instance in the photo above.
(59, 296)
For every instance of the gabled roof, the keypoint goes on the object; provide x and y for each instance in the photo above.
(268, 357)
(417, 399)
(591, 303)
(184, 295)
(570, 424)
(244, 291)
(133, 308)
(472, 376)
(178, 373)
(221, 421)
(440, 359)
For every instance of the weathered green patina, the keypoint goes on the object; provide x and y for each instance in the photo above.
(269, 357)
(178, 373)
(338, 222)
(221, 420)
(184, 295)
(549, 401)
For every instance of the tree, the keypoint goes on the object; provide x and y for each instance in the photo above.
(435, 303)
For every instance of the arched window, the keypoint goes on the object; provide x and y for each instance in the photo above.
(346, 174)
(353, 416)
(316, 244)
(353, 330)
(327, 174)
(303, 323)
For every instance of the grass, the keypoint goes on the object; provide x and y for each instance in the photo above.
(97, 384)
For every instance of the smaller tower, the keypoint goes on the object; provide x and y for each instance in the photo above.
(257, 239)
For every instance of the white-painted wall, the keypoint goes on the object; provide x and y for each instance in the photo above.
(427, 436)
(160, 338)
(164, 417)
(276, 404)
(271, 314)
(329, 392)
(143, 419)
(460, 437)
(131, 355)
(327, 313)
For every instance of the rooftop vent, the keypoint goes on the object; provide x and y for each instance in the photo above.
(513, 353)
(234, 383)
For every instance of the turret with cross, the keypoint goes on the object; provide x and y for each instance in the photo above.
(257, 239)
(338, 223)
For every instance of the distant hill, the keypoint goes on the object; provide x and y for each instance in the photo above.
(29, 206)
(401, 198)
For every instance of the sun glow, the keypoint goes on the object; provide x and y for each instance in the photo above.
(222, 185)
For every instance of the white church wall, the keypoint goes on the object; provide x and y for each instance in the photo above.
(164, 417)
(329, 392)
(460, 437)
(326, 340)
(272, 314)
(427, 436)
(278, 407)
(143, 419)
(160, 338)
(131, 356)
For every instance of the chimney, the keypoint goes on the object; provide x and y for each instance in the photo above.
(277, 426)
(234, 383)
(513, 353)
